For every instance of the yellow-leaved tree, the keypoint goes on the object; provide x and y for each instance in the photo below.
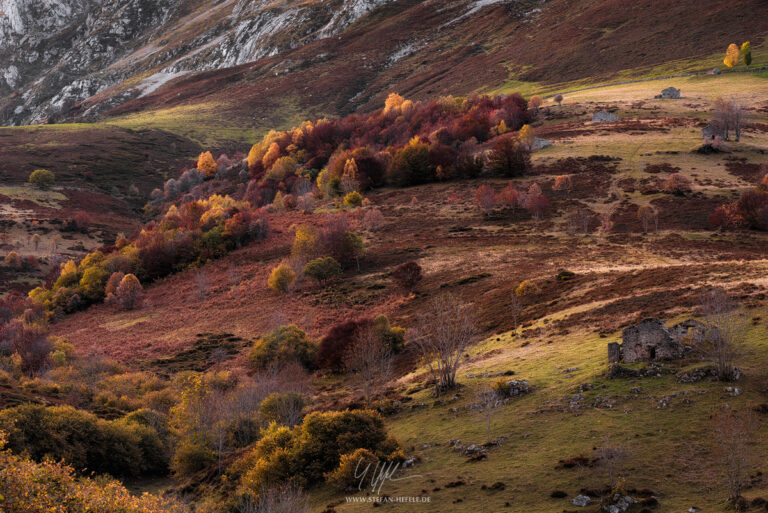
(206, 164)
(526, 136)
(732, 55)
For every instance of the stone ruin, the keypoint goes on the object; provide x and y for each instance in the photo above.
(670, 93)
(651, 341)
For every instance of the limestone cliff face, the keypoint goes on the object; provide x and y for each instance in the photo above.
(56, 53)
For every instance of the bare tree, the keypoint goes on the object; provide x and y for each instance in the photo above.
(725, 328)
(487, 402)
(611, 459)
(732, 436)
(284, 499)
(444, 332)
(585, 219)
(515, 309)
(728, 115)
(370, 359)
(202, 284)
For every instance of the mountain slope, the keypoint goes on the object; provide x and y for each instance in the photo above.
(330, 57)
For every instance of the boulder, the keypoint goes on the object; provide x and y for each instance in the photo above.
(581, 501)
(603, 116)
(539, 143)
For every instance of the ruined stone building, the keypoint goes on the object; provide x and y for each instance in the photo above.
(651, 340)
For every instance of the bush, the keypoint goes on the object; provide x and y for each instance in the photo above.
(285, 409)
(13, 260)
(344, 335)
(752, 206)
(284, 345)
(312, 450)
(351, 467)
(677, 184)
(190, 457)
(407, 275)
(42, 178)
(373, 220)
(281, 278)
(26, 486)
(353, 199)
(526, 288)
(322, 269)
(83, 440)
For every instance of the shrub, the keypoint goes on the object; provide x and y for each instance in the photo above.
(313, 449)
(351, 468)
(353, 199)
(13, 260)
(83, 440)
(26, 486)
(42, 178)
(305, 243)
(373, 220)
(526, 288)
(677, 184)
(322, 269)
(285, 409)
(191, 456)
(752, 206)
(407, 275)
(284, 345)
(563, 183)
(281, 278)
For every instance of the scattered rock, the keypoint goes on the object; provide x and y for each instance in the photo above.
(733, 391)
(708, 373)
(581, 501)
(539, 143)
(619, 503)
(604, 117)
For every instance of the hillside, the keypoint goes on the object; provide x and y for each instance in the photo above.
(245, 268)
(621, 277)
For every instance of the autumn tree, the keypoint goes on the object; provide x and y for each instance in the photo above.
(508, 198)
(407, 275)
(527, 137)
(563, 184)
(42, 178)
(486, 402)
(373, 220)
(535, 103)
(206, 164)
(725, 329)
(526, 288)
(370, 360)
(559, 100)
(445, 330)
(732, 55)
(647, 215)
(746, 52)
(535, 201)
(305, 243)
(485, 197)
(281, 277)
(129, 293)
(732, 435)
(509, 157)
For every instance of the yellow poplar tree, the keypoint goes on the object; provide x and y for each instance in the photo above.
(731, 55)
